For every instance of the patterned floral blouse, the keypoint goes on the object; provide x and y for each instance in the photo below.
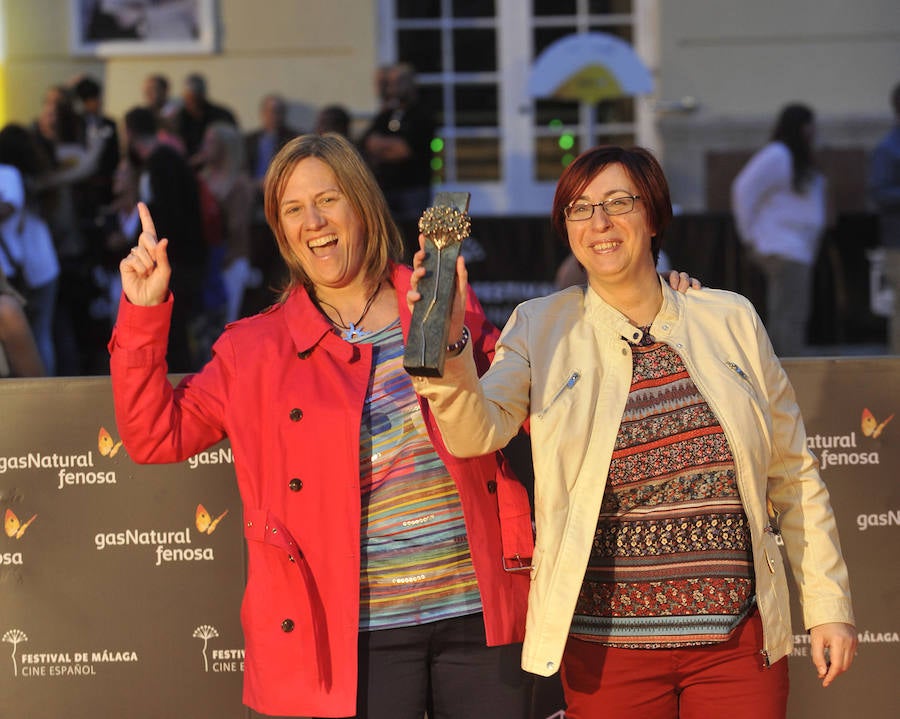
(671, 563)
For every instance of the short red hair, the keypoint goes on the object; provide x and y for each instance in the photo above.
(643, 169)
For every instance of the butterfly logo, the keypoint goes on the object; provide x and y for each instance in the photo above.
(205, 523)
(105, 443)
(13, 527)
(871, 427)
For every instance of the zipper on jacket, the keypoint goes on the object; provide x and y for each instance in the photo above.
(737, 370)
(570, 383)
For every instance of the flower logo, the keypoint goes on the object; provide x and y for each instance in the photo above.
(14, 636)
(205, 632)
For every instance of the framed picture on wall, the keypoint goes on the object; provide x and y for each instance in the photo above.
(142, 27)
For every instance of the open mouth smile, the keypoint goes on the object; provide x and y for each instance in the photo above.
(320, 242)
(604, 246)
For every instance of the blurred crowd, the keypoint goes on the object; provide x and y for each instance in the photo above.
(71, 179)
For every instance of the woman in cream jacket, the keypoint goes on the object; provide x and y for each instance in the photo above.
(661, 425)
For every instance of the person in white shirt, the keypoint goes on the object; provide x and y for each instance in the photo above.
(779, 206)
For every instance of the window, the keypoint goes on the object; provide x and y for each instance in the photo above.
(453, 46)
(472, 59)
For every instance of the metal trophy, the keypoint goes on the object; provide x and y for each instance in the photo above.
(445, 225)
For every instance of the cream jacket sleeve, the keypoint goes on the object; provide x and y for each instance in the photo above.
(472, 424)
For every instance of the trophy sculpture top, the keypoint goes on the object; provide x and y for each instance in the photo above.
(444, 225)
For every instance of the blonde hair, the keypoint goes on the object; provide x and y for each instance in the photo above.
(355, 180)
(232, 147)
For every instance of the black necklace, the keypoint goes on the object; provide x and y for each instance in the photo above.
(353, 330)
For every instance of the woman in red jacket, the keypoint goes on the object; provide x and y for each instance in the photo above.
(378, 580)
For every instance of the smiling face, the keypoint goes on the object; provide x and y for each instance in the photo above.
(612, 248)
(321, 227)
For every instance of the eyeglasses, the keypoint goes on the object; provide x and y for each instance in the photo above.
(614, 206)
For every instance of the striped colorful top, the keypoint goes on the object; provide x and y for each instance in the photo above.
(415, 561)
(671, 563)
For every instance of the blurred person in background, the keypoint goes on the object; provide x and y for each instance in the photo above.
(261, 145)
(198, 112)
(96, 190)
(67, 157)
(264, 142)
(397, 145)
(119, 225)
(225, 175)
(19, 356)
(779, 205)
(155, 91)
(26, 239)
(333, 118)
(169, 188)
(884, 189)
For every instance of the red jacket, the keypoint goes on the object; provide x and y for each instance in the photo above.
(289, 394)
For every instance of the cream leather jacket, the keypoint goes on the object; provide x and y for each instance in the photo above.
(563, 365)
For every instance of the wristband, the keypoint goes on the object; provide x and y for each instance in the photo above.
(457, 347)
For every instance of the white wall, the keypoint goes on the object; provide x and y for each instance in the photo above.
(314, 52)
(743, 61)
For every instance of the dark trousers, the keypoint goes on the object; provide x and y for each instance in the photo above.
(442, 668)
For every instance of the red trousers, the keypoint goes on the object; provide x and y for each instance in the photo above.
(728, 679)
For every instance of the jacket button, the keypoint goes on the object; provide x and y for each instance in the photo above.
(295, 485)
(287, 625)
(296, 414)
(491, 486)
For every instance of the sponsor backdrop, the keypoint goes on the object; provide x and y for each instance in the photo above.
(120, 584)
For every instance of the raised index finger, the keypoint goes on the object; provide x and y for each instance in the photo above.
(146, 220)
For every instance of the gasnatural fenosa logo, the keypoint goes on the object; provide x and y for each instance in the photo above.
(106, 445)
(204, 522)
(13, 527)
(870, 426)
(850, 449)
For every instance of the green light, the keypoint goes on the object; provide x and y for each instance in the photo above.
(567, 159)
(437, 145)
(566, 141)
(554, 124)
(437, 164)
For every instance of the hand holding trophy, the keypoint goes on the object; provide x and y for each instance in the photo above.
(444, 226)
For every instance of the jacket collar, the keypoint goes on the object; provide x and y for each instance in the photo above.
(308, 328)
(608, 318)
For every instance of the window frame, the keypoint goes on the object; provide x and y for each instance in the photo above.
(518, 191)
